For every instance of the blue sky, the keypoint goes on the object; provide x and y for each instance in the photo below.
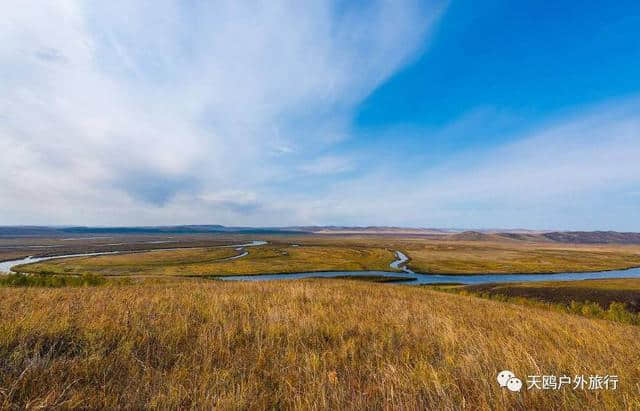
(517, 56)
(497, 114)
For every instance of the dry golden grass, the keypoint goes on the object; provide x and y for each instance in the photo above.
(306, 344)
(167, 262)
(308, 258)
(264, 259)
(479, 257)
(445, 256)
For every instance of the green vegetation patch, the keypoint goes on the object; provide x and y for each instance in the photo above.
(567, 292)
(616, 300)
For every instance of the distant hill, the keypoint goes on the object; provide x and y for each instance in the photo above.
(524, 236)
(27, 231)
(569, 237)
(374, 230)
(575, 237)
(474, 236)
(182, 229)
(593, 237)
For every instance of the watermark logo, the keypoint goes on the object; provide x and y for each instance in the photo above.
(576, 382)
(514, 384)
(509, 380)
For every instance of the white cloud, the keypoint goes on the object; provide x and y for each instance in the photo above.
(578, 172)
(327, 165)
(122, 112)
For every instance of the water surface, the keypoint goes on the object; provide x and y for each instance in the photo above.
(418, 278)
(401, 263)
(7, 266)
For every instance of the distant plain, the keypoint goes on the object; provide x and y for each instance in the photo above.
(428, 254)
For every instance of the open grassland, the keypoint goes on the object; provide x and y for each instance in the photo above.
(42, 246)
(6, 255)
(502, 258)
(310, 258)
(601, 292)
(443, 256)
(168, 262)
(263, 259)
(305, 344)
(348, 253)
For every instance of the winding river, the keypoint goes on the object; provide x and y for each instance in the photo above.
(399, 264)
(7, 266)
(417, 278)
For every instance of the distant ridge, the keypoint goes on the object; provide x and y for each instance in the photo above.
(375, 230)
(594, 237)
(474, 236)
(181, 229)
(575, 237)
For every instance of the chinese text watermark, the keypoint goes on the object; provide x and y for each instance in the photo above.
(508, 379)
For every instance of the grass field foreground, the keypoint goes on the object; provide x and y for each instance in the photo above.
(302, 344)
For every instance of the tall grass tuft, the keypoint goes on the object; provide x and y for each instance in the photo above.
(22, 280)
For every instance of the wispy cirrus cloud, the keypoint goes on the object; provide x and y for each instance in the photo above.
(122, 112)
(578, 171)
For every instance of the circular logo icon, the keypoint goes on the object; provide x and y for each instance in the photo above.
(514, 384)
(504, 377)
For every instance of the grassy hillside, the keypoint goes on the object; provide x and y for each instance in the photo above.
(600, 292)
(305, 344)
